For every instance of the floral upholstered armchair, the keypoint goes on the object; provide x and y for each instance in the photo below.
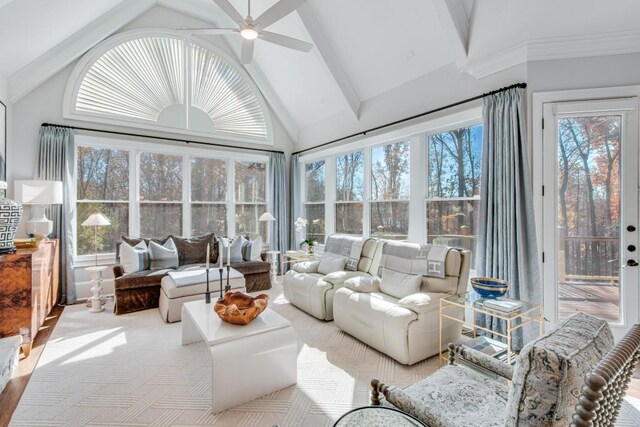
(545, 383)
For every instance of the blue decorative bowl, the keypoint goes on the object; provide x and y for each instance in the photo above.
(488, 287)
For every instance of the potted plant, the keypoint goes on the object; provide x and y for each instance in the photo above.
(311, 241)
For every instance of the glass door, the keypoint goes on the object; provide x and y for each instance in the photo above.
(590, 220)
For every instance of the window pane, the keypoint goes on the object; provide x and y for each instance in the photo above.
(390, 172)
(350, 177)
(315, 213)
(390, 220)
(117, 213)
(454, 162)
(247, 220)
(160, 219)
(160, 177)
(250, 182)
(102, 174)
(314, 181)
(208, 218)
(208, 180)
(349, 218)
(453, 223)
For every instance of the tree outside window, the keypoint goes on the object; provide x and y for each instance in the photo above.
(453, 186)
(314, 206)
(349, 193)
(390, 191)
(102, 186)
(250, 184)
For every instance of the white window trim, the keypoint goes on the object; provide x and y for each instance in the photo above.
(86, 62)
(135, 148)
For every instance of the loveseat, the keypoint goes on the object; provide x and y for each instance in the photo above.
(141, 290)
(312, 290)
(396, 312)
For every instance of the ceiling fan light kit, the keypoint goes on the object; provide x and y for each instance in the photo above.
(250, 30)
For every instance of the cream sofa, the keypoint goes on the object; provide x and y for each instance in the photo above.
(312, 291)
(406, 329)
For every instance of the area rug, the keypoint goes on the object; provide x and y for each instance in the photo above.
(131, 370)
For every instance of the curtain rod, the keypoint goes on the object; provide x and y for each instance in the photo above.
(455, 104)
(213, 144)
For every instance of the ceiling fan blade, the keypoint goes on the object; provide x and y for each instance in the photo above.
(247, 51)
(278, 11)
(210, 31)
(286, 41)
(229, 10)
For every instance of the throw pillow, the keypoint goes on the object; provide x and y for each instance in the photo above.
(365, 284)
(398, 284)
(419, 303)
(331, 262)
(163, 256)
(193, 250)
(134, 258)
(256, 249)
(246, 250)
(236, 249)
(132, 241)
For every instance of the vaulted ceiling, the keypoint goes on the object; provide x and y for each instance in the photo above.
(362, 48)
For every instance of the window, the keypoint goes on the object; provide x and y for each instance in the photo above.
(180, 191)
(208, 196)
(390, 191)
(102, 186)
(250, 190)
(315, 200)
(167, 82)
(349, 193)
(453, 186)
(160, 194)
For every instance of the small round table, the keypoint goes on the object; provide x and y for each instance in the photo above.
(96, 278)
(377, 416)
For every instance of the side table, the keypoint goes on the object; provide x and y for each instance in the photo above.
(96, 278)
(529, 313)
(273, 258)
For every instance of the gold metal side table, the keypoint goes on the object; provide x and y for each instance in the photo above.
(470, 301)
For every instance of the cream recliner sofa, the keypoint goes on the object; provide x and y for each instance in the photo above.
(406, 328)
(312, 292)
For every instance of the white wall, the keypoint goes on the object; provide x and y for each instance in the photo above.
(441, 87)
(4, 91)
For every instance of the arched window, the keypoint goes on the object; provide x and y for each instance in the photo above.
(169, 82)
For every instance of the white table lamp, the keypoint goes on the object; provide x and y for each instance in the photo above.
(96, 220)
(39, 194)
(267, 217)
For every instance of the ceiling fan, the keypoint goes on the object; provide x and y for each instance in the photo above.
(251, 29)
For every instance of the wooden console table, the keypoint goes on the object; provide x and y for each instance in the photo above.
(29, 283)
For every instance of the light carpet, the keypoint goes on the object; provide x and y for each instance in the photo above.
(130, 370)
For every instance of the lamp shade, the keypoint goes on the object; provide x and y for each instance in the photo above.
(97, 219)
(266, 217)
(38, 192)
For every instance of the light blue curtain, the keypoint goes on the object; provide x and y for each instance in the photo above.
(278, 196)
(296, 202)
(507, 240)
(55, 163)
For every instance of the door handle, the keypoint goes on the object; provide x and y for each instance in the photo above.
(632, 263)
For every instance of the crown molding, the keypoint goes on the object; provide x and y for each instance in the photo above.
(587, 45)
(54, 60)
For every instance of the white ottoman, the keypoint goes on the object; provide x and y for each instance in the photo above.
(172, 296)
(9, 357)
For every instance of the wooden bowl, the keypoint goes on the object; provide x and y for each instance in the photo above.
(239, 308)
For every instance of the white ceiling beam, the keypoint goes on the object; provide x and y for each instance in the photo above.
(5, 2)
(329, 58)
(455, 25)
(207, 12)
(64, 53)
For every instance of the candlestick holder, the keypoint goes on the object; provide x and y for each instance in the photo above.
(228, 287)
(220, 271)
(207, 295)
